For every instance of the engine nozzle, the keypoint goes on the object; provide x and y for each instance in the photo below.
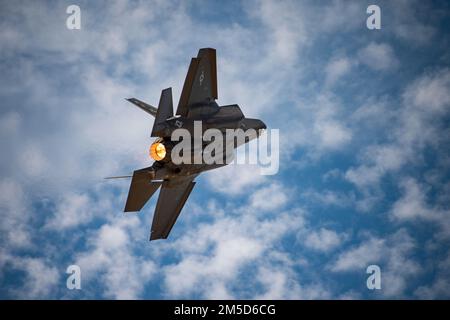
(158, 150)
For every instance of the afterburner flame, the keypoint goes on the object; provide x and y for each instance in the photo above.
(157, 151)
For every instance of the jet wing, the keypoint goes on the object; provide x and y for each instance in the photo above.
(172, 197)
(201, 81)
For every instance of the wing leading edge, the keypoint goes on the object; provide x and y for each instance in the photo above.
(171, 200)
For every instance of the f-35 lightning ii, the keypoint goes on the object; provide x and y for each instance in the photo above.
(197, 103)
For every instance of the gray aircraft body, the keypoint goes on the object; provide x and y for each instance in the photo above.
(197, 103)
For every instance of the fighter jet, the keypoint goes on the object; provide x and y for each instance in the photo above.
(197, 103)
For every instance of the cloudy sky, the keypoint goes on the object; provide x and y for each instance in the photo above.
(364, 160)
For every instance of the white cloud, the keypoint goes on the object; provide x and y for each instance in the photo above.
(412, 204)
(14, 214)
(270, 198)
(33, 161)
(328, 197)
(40, 280)
(392, 254)
(430, 93)
(323, 240)
(380, 160)
(75, 209)
(332, 134)
(439, 288)
(378, 56)
(336, 69)
(338, 16)
(281, 284)
(410, 133)
(358, 258)
(285, 28)
(110, 259)
(375, 115)
(235, 179)
(408, 22)
(222, 266)
(318, 128)
(214, 254)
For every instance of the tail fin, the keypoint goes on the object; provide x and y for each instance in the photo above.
(165, 111)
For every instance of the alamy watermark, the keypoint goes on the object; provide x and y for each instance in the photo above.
(374, 280)
(74, 279)
(73, 22)
(215, 147)
(373, 22)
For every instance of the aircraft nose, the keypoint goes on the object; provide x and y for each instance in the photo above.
(259, 126)
(253, 124)
(262, 126)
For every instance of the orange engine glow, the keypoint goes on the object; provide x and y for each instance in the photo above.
(157, 151)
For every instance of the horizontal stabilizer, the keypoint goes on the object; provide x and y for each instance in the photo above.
(141, 189)
(118, 177)
(144, 106)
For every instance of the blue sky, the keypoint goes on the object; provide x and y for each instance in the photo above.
(364, 138)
